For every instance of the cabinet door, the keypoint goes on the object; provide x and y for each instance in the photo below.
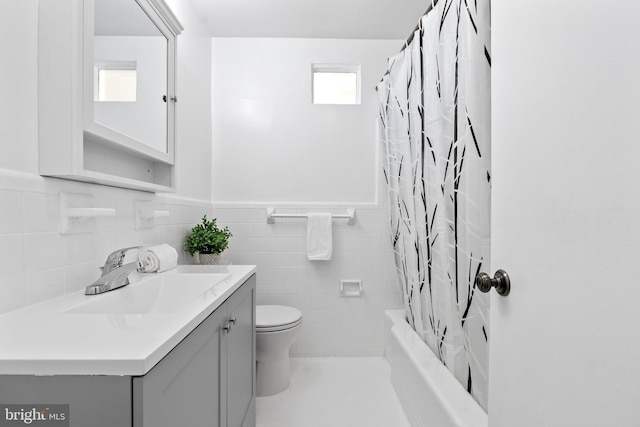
(240, 354)
(183, 389)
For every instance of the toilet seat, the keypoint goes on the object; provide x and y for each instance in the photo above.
(273, 318)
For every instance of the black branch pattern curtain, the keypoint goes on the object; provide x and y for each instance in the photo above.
(435, 118)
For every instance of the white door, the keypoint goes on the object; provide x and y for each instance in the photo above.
(565, 344)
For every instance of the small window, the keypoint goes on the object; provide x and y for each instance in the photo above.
(336, 84)
(116, 82)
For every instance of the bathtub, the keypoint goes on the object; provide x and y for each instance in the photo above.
(429, 393)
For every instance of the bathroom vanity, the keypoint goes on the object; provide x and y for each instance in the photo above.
(172, 349)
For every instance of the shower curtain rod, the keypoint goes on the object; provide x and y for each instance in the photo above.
(413, 33)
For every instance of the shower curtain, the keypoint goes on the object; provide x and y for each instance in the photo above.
(435, 131)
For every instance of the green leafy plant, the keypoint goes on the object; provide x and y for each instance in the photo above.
(207, 238)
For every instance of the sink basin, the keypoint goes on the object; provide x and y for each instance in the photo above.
(164, 293)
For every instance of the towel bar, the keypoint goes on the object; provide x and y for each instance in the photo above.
(272, 215)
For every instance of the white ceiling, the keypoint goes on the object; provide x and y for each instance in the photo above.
(341, 19)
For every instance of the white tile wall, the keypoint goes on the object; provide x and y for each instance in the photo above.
(332, 325)
(37, 262)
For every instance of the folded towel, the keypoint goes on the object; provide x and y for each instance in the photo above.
(156, 259)
(319, 240)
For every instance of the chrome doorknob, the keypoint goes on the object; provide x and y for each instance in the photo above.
(500, 281)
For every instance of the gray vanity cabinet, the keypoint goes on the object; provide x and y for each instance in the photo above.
(209, 378)
(183, 389)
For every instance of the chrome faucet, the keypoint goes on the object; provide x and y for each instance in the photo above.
(115, 274)
(114, 279)
(116, 258)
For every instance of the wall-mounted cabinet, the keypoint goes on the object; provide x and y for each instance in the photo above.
(107, 92)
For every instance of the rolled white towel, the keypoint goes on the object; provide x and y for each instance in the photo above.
(156, 259)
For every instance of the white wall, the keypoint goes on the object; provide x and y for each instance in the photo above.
(273, 147)
(36, 261)
(271, 144)
(332, 325)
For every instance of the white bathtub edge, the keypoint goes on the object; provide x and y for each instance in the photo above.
(429, 393)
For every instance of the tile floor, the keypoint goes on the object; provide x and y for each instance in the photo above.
(334, 392)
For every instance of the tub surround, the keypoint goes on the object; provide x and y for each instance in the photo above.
(67, 336)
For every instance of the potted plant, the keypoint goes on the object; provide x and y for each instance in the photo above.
(207, 241)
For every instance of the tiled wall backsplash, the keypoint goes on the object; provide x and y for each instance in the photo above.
(332, 325)
(37, 262)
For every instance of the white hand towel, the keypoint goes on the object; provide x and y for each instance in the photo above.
(319, 239)
(157, 259)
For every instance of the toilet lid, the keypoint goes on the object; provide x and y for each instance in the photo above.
(276, 316)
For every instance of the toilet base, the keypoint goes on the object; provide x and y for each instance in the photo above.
(272, 376)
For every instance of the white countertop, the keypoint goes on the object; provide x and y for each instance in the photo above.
(63, 336)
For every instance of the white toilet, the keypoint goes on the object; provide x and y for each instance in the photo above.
(276, 329)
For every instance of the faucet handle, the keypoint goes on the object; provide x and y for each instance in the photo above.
(143, 265)
(116, 259)
(119, 254)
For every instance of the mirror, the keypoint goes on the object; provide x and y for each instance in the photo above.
(130, 63)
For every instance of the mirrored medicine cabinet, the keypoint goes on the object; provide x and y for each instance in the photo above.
(107, 92)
